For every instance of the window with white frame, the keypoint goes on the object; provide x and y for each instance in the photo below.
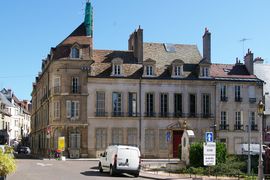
(149, 104)
(72, 109)
(100, 108)
(56, 84)
(75, 85)
(164, 104)
(223, 120)
(205, 71)
(117, 103)
(206, 105)
(75, 52)
(238, 121)
(117, 69)
(149, 70)
(252, 121)
(238, 93)
(56, 109)
(101, 138)
(163, 145)
(223, 92)
(74, 140)
(177, 105)
(149, 139)
(132, 136)
(132, 104)
(117, 136)
(178, 71)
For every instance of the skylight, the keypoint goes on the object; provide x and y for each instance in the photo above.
(169, 47)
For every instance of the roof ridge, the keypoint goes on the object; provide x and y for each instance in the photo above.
(168, 43)
(112, 50)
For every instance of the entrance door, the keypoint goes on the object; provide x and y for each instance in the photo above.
(177, 135)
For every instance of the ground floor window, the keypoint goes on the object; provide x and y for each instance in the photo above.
(117, 136)
(101, 138)
(149, 139)
(75, 140)
(132, 136)
(163, 145)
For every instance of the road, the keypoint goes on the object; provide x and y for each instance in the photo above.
(29, 169)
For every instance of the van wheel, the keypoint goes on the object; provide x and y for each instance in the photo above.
(136, 174)
(111, 171)
(100, 168)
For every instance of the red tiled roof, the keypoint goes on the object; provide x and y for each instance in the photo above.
(230, 71)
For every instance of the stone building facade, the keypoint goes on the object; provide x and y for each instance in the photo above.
(144, 96)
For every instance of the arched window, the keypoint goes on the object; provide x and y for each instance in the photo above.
(75, 52)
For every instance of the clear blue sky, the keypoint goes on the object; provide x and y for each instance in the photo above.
(28, 29)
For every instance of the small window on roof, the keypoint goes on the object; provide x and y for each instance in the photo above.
(75, 52)
(169, 47)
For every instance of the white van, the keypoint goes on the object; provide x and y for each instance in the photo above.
(120, 159)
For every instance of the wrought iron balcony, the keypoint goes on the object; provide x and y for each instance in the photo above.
(224, 126)
(223, 98)
(207, 115)
(252, 100)
(178, 114)
(101, 114)
(150, 114)
(133, 114)
(75, 89)
(238, 127)
(254, 127)
(238, 99)
(164, 114)
(118, 114)
(192, 115)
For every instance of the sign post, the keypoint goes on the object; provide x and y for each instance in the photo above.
(209, 150)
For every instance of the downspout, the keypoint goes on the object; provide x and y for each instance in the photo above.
(140, 108)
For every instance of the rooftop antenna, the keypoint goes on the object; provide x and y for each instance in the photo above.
(243, 40)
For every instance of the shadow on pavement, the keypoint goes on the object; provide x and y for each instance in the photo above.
(97, 173)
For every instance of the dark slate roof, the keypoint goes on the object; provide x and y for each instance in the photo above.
(230, 71)
(157, 51)
(106, 56)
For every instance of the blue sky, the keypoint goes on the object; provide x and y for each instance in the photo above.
(28, 29)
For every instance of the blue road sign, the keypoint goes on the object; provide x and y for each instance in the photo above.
(209, 137)
(168, 136)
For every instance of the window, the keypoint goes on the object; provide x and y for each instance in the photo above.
(251, 94)
(75, 52)
(205, 71)
(149, 70)
(117, 103)
(75, 85)
(238, 94)
(163, 145)
(100, 108)
(56, 109)
(177, 71)
(74, 140)
(252, 121)
(132, 136)
(101, 138)
(149, 140)
(163, 105)
(223, 121)
(117, 136)
(238, 123)
(132, 104)
(192, 105)
(73, 108)
(149, 104)
(177, 105)
(206, 105)
(117, 69)
(56, 84)
(223, 93)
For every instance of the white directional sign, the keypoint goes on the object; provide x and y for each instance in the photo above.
(209, 137)
(209, 154)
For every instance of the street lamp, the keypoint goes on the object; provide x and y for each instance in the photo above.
(260, 109)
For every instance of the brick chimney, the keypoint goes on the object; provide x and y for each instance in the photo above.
(249, 62)
(207, 45)
(135, 43)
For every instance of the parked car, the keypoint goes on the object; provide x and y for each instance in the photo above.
(23, 150)
(120, 159)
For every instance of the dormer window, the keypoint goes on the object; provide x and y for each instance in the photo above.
(149, 70)
(177, 68)
(205, 72)
(117, 64)
(75, 52)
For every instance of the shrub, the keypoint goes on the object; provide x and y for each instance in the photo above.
(196, 154)
(7, 162)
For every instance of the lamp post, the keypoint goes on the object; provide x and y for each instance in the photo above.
(260, 110)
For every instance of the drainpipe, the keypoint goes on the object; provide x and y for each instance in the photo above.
(140, 108)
